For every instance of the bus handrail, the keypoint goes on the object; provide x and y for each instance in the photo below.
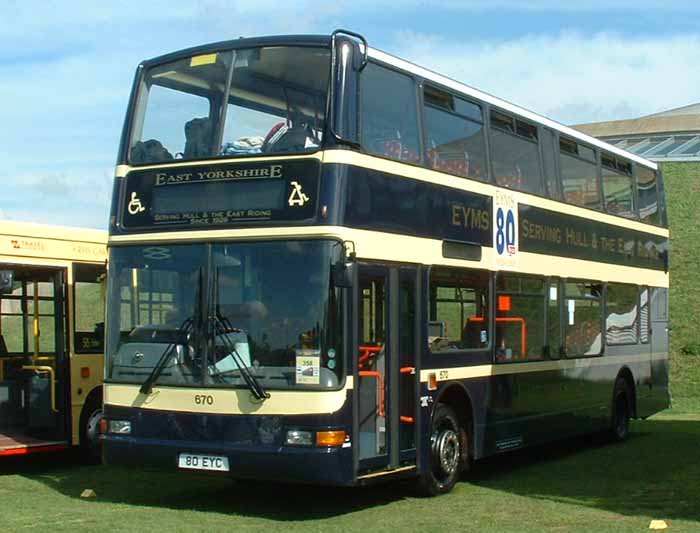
(380, 386)
(52, 375)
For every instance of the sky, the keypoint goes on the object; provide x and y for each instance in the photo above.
(66, 69)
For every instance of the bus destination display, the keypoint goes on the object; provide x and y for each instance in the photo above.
(220, 195)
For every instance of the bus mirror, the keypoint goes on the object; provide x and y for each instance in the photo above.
(343, 274)
(6, 280)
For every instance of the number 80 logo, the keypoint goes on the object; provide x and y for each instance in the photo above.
(505, 231)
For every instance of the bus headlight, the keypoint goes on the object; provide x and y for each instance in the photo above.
(122, 427)
(296, 437)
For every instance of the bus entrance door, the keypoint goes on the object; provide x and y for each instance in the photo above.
(32, 361)
(385, 370)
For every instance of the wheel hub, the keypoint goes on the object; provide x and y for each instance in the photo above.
(447, 449)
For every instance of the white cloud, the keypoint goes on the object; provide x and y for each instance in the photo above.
(570, 77)
(66, 70)
(554, 6)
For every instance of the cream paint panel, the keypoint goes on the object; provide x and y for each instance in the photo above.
(578, 269)
(506, 369)
(228, 402)
(346, 157)
(374, 245)
(81, 387)
(21, 242)
(479, 95)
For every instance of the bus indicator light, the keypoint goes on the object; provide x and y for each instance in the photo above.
(330, 438)
(432, 381)
(85, 372)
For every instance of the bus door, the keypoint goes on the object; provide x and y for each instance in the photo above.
(33, 360)
(386, 367)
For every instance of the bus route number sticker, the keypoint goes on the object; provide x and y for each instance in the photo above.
(505, 229)
(308, 368)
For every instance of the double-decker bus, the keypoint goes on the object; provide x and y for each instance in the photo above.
(330, 265)
(52, 294)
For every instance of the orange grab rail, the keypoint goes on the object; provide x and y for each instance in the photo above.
(523, 329)
(380, 386)
(407, 370)
(366, 353)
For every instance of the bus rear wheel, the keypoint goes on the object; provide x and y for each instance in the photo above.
(622, 411)
(448, 445)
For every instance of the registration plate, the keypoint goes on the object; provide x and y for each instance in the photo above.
(203, 462)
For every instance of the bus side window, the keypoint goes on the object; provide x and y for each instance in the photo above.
(459, 304)
(622, 319)
(520, 318)
(89, 305)
(648, 194)
(579, 174)
(454, 135)
(515, 154)
(583, 312)
(388, 114)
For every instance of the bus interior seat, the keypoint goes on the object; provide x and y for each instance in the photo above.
(454, 163)
(198, 132)
(148, 151)
(471, 333)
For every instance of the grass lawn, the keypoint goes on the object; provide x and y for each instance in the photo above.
(588, 485)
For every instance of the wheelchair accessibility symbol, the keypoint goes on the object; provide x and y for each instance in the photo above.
(297, 197)
(135, 206)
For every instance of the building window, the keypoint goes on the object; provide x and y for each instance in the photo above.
(583, 318)
(389, 114)
(459, 312)
(454, 135)
(621, 309)
(515, 154)
(520, 319)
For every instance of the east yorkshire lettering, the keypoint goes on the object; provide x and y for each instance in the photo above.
(172, 178)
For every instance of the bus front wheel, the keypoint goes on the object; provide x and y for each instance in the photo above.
(90, 418)
(448, 441)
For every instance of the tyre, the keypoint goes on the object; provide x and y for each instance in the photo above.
(622, 411)
(448, 452)
(90, 444)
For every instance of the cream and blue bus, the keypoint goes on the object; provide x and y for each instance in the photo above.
(331, 265)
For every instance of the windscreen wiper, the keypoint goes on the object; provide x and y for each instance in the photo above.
(184, 329)
(222, 327)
